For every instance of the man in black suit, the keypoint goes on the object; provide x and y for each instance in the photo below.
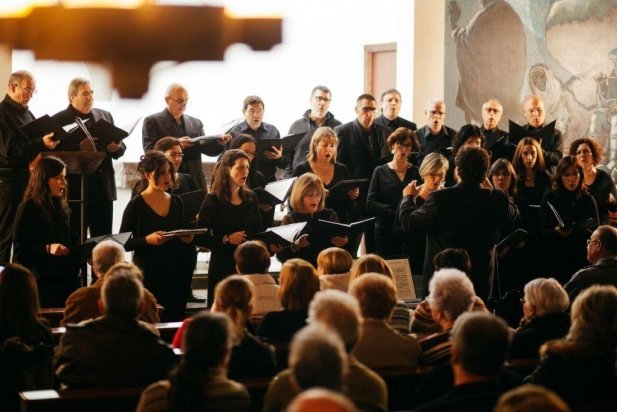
(469, 215)
(435, 136)
(102, 183)
(390, 108)
(495, 140)
(552, 146)
(317, 116)
(173, 122)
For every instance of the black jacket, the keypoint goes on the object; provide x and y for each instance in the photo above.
(358, 151)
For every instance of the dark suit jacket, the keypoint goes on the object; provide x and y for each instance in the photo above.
(359, 153)
(163, 124)
(464, 216)
(603, 272)
(106, 168)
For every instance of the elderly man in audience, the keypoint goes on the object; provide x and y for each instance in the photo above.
(545, 317)
(602, 254)
(83, 304)
(380, 346)
(115, 349)
(319, 399)
(316, 359)
(435, 136)
(340, 313)
(451, 294)
(480, 343)
(527, 398)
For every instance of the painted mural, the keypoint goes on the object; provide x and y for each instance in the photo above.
(563, 50)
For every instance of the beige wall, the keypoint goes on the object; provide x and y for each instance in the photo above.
(6, 62)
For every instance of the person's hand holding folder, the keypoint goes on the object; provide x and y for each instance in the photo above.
(274, 153)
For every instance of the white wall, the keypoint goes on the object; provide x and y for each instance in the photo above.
(322, 44)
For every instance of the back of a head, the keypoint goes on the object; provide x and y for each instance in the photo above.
(317, 358)
(299, 283)
(207, 340)
(546, 296)
(252, 257)
(531, 398)
(370, 263)
(234, 295)
(334, 261)
(105, 255)
(337, 311)
(19, 299)
(480, 343)
(453, 258)
(122, 291)
(376, 294)
(607, 235)
(594, 318)
(451, 292)
(472, 164)
(322, 400)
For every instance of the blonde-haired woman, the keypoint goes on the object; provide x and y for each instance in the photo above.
(321, 161)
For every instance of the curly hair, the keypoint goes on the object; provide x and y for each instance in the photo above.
(597, 152)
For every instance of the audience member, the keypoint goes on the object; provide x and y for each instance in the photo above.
(530, 398)
(253, 262)
(115, 349)
(602, 254)
(379, 345)
(581, 367)
(334, 268)
(83, 304)
(299, 283)
(200, 381)
(545, 317)
(319, 399)
(480, 344)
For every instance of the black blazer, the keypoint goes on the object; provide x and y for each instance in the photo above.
(359, 153)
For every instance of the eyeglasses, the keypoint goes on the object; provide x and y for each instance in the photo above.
(407, 145)
(180, 101)
(436, 112)
(322, 99)
(492, 110)
(176, 155)
(28, 90)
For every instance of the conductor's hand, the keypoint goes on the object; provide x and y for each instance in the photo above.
(156, 238)
(411, 189)
(58, 249)
(113, 147)
(237, 238)
(223, 140)
(185, 142)
(354, 193)
(339, 241)
(49, 142)
(302, 241)
(273, 153)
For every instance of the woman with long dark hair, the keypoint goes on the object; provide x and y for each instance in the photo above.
(167, 263)
(42, 239)
(231, 213)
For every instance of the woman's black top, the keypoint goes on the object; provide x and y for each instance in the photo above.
(281, 326)
(185, 182)
(600, 189)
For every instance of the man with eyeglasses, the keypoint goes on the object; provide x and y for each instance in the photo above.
(552, 146)
(173, 122)
(390, 108)
(16, 152)
(101, 185)
(435, 136)
(496, 140)
(315, 117)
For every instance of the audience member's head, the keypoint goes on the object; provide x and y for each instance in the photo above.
(317, 358)
(531, 398)
(299, 283)
(19, 301)
(122, 293)
(544, 296)
(320, 399)
(602, 244)
(370, 264)
(451, 294)
(376, 294)
(453, 258)
(472, 164)
(594, 318)
(252, 257)
(480, 344)
(334, 261)
(106, 254)
(233, 296)
(338, 311)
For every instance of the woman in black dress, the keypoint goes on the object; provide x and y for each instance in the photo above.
(307, 201)
(42, 239)
(321, 161)
(596, 182)
(468, 135)
(167, 263)
(231, 213)
(386, 190)
(564, 246)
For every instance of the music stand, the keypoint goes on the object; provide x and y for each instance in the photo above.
(81, 163)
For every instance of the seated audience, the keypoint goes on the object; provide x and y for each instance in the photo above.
(250, 357)
(380, 346)
(530, 398)
(299, 283)
(83, 303)
(200, 381)
(333, 267)
(115, 349)
(26, 345)
(602, 254)
(371, 263)
(545, 317)
(451, 294)
(454, 258)
(253, 261)
(581, 367)
(319, 399)
(480, 343)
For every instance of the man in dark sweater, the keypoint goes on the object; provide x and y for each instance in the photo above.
(495, 140)
(390, 102)
(552, 146)
(435, 136)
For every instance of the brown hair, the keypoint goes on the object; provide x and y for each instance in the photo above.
(597, 152)
(376, 294)
(252, 257)
(517, 162)
(166, 143)
(402, 135)
(299, 283)
(234, 295)
(322, 133)
(334, 261)
(222, 181)
(19, 302)
(303, 185)
(155, 161)
(38, 185)
(370, 263)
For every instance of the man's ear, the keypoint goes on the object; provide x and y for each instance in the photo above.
(101, 306)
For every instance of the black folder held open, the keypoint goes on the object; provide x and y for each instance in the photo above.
(288, 142)
(280, 235)
(275, 192)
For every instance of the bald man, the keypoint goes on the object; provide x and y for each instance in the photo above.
(552, 147)
(435, 136)
(496, 140)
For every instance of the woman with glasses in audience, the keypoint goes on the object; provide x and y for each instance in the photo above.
(596, 182)
(386, 190)
(566, 215)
